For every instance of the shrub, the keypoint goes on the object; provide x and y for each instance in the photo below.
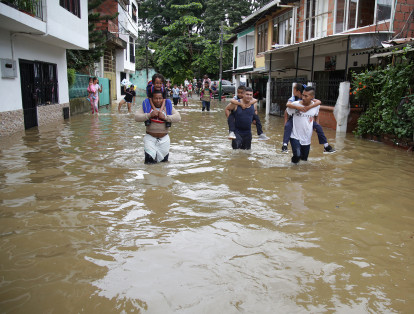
(71, 77)
(389, 110)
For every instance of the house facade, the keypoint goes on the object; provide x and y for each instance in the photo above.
(33, 42)
(318, 42)
(118, 62)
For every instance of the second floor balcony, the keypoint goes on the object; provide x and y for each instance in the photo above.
(246, 58)
(32, 7)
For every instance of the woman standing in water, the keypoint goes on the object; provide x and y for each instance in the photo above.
(98, 89)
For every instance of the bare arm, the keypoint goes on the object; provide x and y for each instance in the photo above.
(286, 117)
(315, 103)
(152, 104)
(230, 107)
(290, 105)
(162, 106)
(235, 102)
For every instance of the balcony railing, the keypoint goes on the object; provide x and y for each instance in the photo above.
(246, 58)
(31, 7)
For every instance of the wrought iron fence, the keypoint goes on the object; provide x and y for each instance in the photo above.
(327, 90)
(281, 91)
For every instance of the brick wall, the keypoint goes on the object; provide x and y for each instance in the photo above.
(402, 15)
(327, 118)
(108, 7)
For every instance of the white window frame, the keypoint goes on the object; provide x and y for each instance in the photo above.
(321, 19)
(346, 17)
(285, 18)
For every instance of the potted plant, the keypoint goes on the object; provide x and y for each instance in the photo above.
(27, 6)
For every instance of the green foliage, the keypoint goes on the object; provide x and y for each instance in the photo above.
(71, 77)
(83, 60)
(185, 35)
(388, 111)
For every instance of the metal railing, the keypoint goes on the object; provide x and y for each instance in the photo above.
(31, 7)
(327, 91)
(281, 91)
(246, 58)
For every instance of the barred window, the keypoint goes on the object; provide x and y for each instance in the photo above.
(131, 50)
(46, 83)
(72, 6)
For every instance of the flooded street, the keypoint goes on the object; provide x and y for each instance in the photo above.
(86, 227)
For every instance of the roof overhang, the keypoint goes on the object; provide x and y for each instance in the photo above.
(257, 15)
(240, 70)
(358, 41)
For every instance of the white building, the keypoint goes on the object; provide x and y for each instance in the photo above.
(118, 63)
(33, 41)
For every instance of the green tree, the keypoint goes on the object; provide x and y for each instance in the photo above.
(230, 12)
(185, 44)
(175, 51)
(83, 60)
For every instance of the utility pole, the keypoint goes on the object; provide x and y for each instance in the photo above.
(146, 55)
(221, 58)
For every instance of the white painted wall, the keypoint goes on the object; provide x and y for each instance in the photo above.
(66, 26)
(29, 48)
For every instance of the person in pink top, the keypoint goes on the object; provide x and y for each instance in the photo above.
(98, 89)
(184, 94)
(91, 91)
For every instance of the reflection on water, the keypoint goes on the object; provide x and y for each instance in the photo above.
(86, 227)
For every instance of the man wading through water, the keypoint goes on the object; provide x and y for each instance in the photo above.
(243, 120)
(300, 138)
(157, 140)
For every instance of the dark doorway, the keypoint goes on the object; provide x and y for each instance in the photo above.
(123, 76)
(28, 99)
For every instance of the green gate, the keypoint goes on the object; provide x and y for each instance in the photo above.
(78, 90)
(104, 97)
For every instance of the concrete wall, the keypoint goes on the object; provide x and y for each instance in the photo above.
(327, 118)
(28, 48)
(67, 27)
(79, 105)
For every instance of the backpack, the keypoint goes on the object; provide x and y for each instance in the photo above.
(146, 106)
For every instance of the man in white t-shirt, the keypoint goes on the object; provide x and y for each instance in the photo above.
(300, 138)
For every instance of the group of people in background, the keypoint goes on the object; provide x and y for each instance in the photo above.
(158, 113)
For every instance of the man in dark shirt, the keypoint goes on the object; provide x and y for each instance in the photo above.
(243, 120)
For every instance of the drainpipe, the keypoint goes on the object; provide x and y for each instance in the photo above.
(269, 84)
(346, 59)
(313, 61)
(297, 64)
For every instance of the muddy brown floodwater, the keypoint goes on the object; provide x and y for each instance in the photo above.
(86, 227)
